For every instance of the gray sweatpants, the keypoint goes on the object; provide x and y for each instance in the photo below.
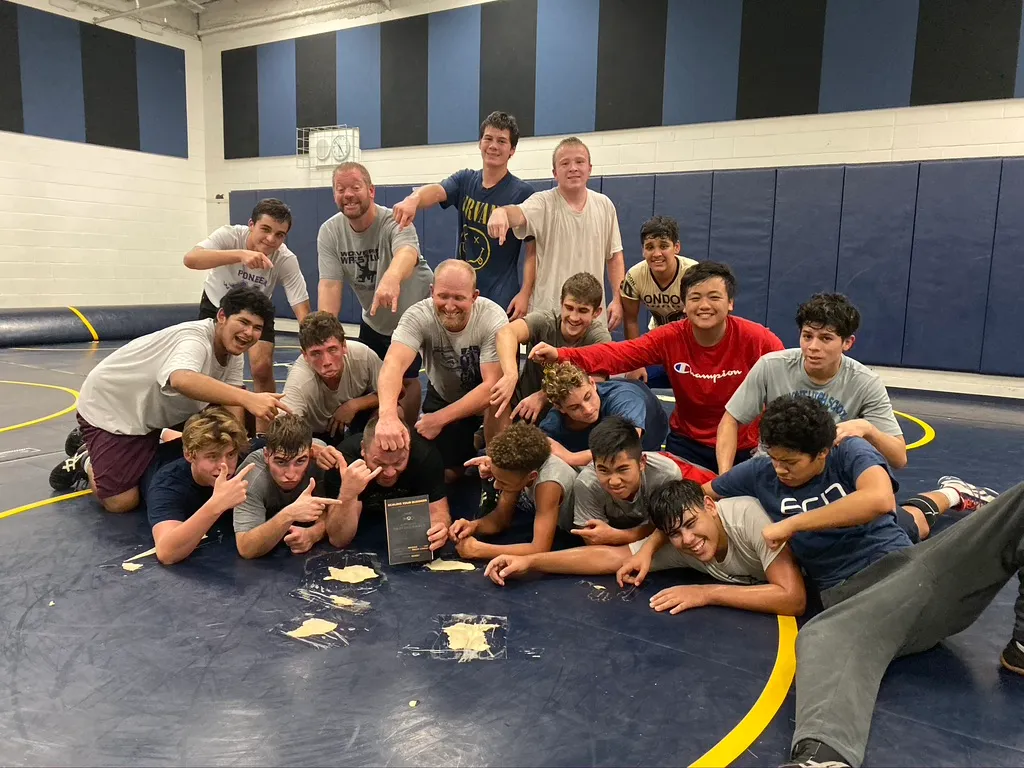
(905, 603)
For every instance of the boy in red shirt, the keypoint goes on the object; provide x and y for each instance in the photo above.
(706, 357)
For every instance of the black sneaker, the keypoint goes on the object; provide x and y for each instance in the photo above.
(1012, 657)
(813, 754)
(488, 497)
(70, 472)
(73, 441)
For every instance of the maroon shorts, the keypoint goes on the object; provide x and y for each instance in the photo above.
(691, 471)
(118, 461)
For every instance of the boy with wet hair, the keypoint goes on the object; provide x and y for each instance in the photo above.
(576, 323)
(156, 382)
(189, 495)
(720, 539)
(579, 404)
(655, 283)
(476, 194)
(254, 255)
(884, 597)
(706, 357)
(281, 504)
(528, 476)
(611, 495)
(819, 368)
(333, 383)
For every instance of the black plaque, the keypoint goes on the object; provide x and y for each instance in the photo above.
(408, 520)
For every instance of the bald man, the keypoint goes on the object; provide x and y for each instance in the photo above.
(454, 330)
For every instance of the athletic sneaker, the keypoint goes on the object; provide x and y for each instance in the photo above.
(971, 496)
(73, 441)
(813, 754)
(488, 497)
(1012, 657)
(71, 473)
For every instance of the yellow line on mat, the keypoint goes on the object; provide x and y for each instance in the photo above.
(739, 739)
(929, 431)
(42, 503)
(86, 323)
(41, 419)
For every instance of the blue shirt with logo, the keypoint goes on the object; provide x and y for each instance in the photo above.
(632, 400)
(829, 557)
(497, 266)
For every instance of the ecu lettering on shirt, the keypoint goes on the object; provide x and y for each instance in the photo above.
(791, 506)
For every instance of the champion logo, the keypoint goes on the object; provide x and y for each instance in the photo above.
(685, 370)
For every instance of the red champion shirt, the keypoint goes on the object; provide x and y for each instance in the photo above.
(703, 378)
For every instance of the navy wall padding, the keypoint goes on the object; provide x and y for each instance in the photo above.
(742, 208)
(633, 197)
(59, 325)
(805, 242)
(1003, 352)
(875, 242)
(686, 197)
(949, 271)
(302, 242)
(541, 184)
(790, 232)
(439, 238)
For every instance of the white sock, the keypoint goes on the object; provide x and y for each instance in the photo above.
(1021, 647)
(952, 495)
(87, 464)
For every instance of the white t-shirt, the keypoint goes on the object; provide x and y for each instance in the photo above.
(129, 393)
(452, 360)
(748, 555)
(221, 279)
(310, 399)
(568, 242)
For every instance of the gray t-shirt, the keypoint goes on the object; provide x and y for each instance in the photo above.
(748, 555)
(592, 502)
(129, 392)
(220, 279)
(452, 360)
(310, 399)
(546, 326)
(361, 259)
(555, 470)
(855, 392)
(263, 499)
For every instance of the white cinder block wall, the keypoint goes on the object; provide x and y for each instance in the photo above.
(977, 129)
(88, 225)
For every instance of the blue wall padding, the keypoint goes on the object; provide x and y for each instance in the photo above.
(805, 242)
(1003, 352)
(542, 184)
(742, 208)
(702, 61)
(867, 58)
(686, 197)
(453, 75)
(358, 82)
(59, 325)
(53, 94)
(275, 66)
(566, 76)
(785, 231)
(163, 115)
(633, 197)
(875, 243)
(440, 234)
(949, 272)
(302, 242)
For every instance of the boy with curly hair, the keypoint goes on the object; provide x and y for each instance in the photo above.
(578, 404)
(527, 475)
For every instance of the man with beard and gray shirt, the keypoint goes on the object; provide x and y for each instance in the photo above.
(455, 329)
(363, 246)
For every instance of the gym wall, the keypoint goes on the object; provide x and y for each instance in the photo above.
(102, 177)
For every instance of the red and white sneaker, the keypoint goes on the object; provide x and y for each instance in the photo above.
(972, 496)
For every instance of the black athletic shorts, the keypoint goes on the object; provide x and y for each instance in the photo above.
(379, 343)
(207, 309)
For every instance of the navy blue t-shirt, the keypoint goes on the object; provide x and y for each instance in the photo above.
(632, 400)
(497, 266)
(174, 494)
(832, 556)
